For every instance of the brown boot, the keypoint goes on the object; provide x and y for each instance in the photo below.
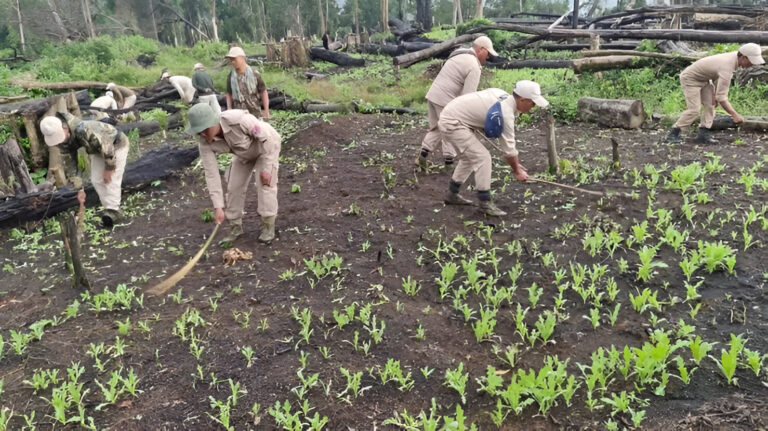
(235, 231)
(490, 209)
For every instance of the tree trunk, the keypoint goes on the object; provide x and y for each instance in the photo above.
(154, 22)
(575, 19)
(87, 15)
(593, 64)
(627, 114)
(322, 18)
(593, 9)
(424, 13)
(325, 107)
(607, 52)
(357, 23)
(384, 15)
(71, 235)
(384, 49)
(155, 165)
(549, 134)
(479, 9)
(213, 21)
(71, 85)
(335, 57)
(414, 57)
(57, 20)
(14, 175)
(753, 124)
(21, 29)
(532, 64)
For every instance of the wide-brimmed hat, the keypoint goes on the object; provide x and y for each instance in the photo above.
(53, 131)
(531, 90)
(235, 51)
(200, 117)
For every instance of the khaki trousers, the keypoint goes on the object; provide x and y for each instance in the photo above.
(129, 102)
(697, 95)
(212, 101)
(240, 173)
(109, 194)
(472, 156)
(434, 139)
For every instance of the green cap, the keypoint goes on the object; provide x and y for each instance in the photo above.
(200, 117)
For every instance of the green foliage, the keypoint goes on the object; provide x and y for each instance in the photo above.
(496, 36)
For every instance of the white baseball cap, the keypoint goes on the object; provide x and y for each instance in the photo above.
(53, 131)
(235, 51)
(198, 66)
(110, 94)
(531, 90)
(485, 42)
(110, 86)
(165, 75)
(753, 52)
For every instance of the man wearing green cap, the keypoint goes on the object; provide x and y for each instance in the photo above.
(256, 146)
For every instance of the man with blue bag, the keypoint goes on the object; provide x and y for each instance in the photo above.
(492, 113)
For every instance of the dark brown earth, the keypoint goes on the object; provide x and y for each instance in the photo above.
(342, 203)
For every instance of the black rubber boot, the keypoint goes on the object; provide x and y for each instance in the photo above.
(705, 137)
(674, 135)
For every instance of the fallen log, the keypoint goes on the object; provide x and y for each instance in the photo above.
(627, 114)
(71, 85)
(710, 36)
(325, 107)
(40, 106)
(363, 108)
(403, 31)
(417, 46)
(533, 64)
(338, 58)
(581, 46)
(154, 165)
(9, 99)
(383, 49)
(608, 52)
(150, 127)
(682, 10)
(414, 57)
(752, 124)
(315, 76)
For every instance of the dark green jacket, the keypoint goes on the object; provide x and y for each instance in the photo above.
(203, 83)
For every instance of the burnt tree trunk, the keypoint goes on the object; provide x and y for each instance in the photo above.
(436, 49)
(14, 175)
(339, 58)
(155, 165)
(627, 114)
(424, 13)
(40, 106)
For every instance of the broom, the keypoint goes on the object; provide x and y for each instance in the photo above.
(175, 278)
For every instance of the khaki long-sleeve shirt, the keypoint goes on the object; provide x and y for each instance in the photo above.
(121, 93)
(246, 137)
(471, 109)
(716, 68)
(460, 75)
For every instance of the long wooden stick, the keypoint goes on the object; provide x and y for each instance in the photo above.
(566, 186)
(175, 278)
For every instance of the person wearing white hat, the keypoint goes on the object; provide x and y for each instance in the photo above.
(206, 92)
(245, 87)
(107, 101)
(706, 82)
(256, 148)
(125, 97)
(459, 75)
(108, 150)
(464, 118)
(182, 84)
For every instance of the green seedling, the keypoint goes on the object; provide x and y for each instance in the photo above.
(457, 380)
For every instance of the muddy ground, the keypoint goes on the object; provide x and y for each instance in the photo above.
(344, 207)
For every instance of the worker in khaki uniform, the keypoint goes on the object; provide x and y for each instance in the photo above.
(107, 101)
(108, 149)
(706, 82)
(461, 122)
(256, 146)
(245, 87)
(459, 75)
(125, 97)
(206, 92)
(182, 84)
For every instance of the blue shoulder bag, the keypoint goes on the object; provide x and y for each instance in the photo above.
(494, 119)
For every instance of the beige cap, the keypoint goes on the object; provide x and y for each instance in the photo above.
(198, 66)
(53, 131)
(109, 94)
(531, 90)
(235, 51)
(753, 52)
(110, 86)
(165, 75)
(485, 42)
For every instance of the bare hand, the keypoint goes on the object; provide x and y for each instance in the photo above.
(738, 119)
(521, 174)
(107, 176)
(266, 178)
(81, 196)
(219, 215)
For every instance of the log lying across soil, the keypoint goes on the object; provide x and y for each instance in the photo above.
(711, 36)
(40, 106)
(383, 49)
(154, 165)
(415, 57)
(335, 57)
(150, 127)
(627, 114)
(578, 65)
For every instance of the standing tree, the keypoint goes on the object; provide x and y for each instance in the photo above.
(322, 18)
(87, 15)
(384, 15)
(457, 12)
(213, 21)
(479, 9)
(21, 28)
(424, 13)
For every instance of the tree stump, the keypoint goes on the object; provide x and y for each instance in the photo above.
(14, 175)
(627, 114)
(273, 53)
(295, 53)
(549, 133)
